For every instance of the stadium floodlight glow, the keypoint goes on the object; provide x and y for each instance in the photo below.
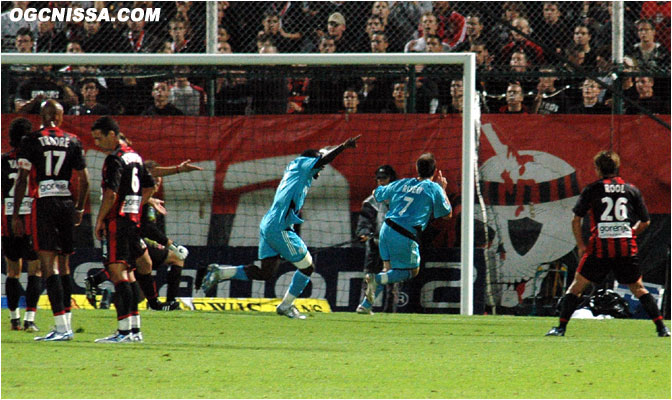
(467, 60)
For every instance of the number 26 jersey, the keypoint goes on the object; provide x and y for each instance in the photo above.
(614, 207)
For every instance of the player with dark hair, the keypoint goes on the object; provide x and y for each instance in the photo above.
(278, 240)
(413, 201)
(50, 155)
(617, 215)
(369, 222)
(127, 186)
(18, 250)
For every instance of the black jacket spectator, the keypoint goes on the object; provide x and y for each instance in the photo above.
(168, 109)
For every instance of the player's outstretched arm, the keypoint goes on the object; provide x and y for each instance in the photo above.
(184, 166)
(332, 153)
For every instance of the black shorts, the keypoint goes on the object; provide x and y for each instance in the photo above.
(53, 224)
(626, 269)
(18, 247)
(124, 243)
(158, 255)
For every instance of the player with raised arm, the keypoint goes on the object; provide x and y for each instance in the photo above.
(277, 238)
(126, 188)
(18, 250)
(50, 155)
(617, 215)
(413, 201)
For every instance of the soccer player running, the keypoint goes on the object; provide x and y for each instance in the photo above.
(277, 238)
(413, 201)
(18, 250)
(618, 215)
(50, 155)
(126, 188)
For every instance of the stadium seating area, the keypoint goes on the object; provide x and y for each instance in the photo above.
(515, 65)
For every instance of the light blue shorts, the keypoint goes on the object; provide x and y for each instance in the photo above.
(400, 251)
(287, 244)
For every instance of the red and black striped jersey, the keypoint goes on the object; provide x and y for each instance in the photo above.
(124, 173)
(10, 172)
(614, 207)
(50, 154)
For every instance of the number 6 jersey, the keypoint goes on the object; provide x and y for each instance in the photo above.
(124, 173)
(614, 207)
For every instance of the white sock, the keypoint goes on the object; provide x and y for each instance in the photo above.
(226, 272)
(135, 321)
(61, 323)
(287, 300)
(30, 316)
(68, 320)
(16, 314)
(124, 324)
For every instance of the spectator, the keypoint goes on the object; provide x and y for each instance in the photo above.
(534, 52)
(452, 25)
(590, 104)
(125, 93)
(649, 54)
(514, 100)
(336, 28)
(187, 97)
(501, 32)
(627, 84)
(519, 64)
(180, 35)
(228, 20)
(139, 39)
(161, 104)
(166, 48)
(49, 40)
(397, 105)
(379, 42)
(224, 48)
(434, 44)
(426, 91)
(38, 88)
(374, 94)
(581, 38)
(373, 24)
(575, 55)
(74, 47)
(647, 98)
(429, 25)
(403, 21)
(549, 100)
(102, 38)
(382, 10)
(286, 42)
(552, 30)
(232, 95)
(456, 97)
(321, 90)
(24, 41)
(474, 32)
(658, 12)
(269, 93)
(350, 101)
(265, 41)
(483, 57)
(90, 106)
(10, 29)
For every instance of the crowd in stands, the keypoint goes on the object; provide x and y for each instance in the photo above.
(547, 37)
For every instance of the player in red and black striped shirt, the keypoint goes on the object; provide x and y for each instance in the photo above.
(617, 215)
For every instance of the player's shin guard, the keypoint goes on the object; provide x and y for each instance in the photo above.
(66, 282)
(55, 293)
(649, 304)
(173, 279)
(299, 282)
(148, 287)
(133, 308)
(568, 305)
(33, 291)
(123, 300)
(135, 290)
(13, 290)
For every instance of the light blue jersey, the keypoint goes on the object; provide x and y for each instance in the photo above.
(413, 202)
(276, 236)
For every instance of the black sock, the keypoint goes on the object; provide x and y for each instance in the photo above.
(55, 293)
(148, 287)
(33, 291)
(649, 304)
(173, 279)
(567, 308)
(13, 289)
(66, 282)
(123, 299)
(137, 295)
(99, 277)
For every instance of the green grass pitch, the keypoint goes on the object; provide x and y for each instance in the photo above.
(339, 355)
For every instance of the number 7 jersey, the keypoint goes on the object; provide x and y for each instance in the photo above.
(614, 207)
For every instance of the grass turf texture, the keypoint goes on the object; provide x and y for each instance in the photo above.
(339, 355)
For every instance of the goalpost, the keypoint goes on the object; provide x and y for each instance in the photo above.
(469, 116)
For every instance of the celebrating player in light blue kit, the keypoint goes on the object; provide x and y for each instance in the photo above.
(277, 238)
(413, 201)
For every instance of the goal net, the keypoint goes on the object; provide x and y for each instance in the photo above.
(266, 110)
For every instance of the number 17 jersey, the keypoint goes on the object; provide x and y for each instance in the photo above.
(614, 207)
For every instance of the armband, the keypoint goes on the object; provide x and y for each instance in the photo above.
(24, 164)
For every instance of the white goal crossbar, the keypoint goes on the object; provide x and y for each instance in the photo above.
(467, 60)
